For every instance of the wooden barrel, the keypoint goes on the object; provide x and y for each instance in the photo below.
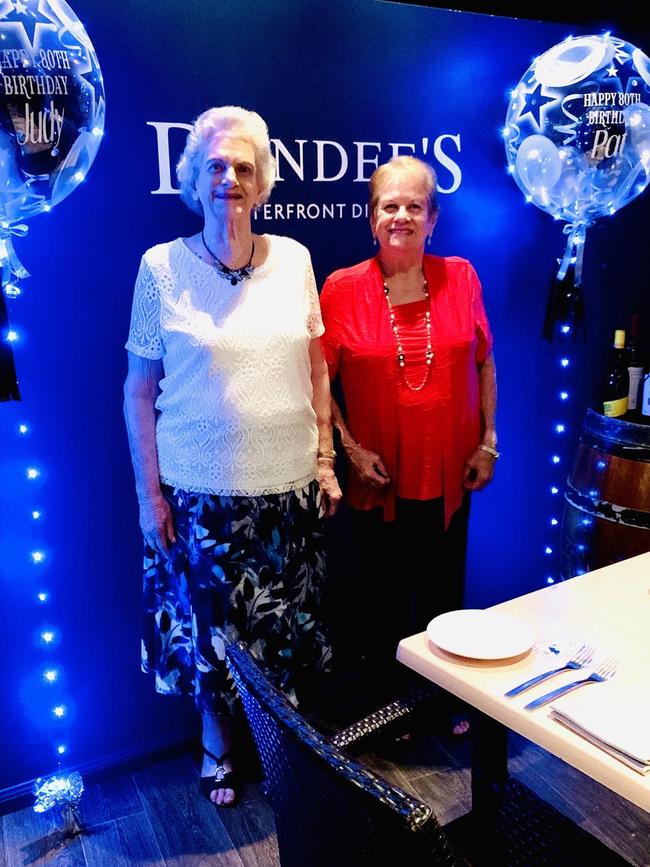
(607, 510)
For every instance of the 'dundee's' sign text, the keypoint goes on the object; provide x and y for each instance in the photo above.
(323, 160)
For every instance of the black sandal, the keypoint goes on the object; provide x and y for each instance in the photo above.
(221, 779)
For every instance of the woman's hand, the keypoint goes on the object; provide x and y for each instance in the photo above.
(479, 470)
(157, 524)
(329, 488)
(369, 467)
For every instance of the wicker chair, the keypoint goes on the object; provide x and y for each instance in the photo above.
(331, 811)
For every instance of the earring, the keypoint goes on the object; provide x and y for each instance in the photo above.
(429, 240)
(374, 240)
(195, 196)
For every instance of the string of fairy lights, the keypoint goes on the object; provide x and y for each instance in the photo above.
(558, 458)
(558, 453)
(568, 563)
(47, 636)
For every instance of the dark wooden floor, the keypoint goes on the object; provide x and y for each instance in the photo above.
(153, 815)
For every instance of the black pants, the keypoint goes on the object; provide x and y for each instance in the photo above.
(407, 572)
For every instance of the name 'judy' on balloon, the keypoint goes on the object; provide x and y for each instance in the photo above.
(41, 127)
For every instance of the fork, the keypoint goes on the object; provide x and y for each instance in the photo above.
(605, 671)
(582, 658)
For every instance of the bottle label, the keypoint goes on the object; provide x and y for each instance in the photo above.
(614, 408)
(636, 375)
(645, 403)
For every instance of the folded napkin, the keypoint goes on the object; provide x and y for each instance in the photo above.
(614, 717)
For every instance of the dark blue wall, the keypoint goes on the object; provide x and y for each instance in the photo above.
(363, 71)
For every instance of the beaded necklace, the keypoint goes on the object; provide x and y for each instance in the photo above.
(235, 275)
(401, 357)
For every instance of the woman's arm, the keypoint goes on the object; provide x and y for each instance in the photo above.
(140, 393)
(487, 383)
(320, 382)
(367, 465)
(479, 468)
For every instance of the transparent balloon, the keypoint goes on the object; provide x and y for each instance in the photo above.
(538, 164)
(570, 189)
(577, 133)
(51, 106)
(637, 119)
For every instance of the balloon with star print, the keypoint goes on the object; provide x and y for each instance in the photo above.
(577, 131)
(51, 106)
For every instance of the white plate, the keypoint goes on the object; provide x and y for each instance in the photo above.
(479, 634)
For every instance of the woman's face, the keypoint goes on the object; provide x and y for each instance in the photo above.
(227, 183)
(401, 220)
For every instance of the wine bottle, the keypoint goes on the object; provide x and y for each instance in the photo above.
(616, 385)
(634, 369)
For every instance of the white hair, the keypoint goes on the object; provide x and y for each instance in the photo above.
(405, 164)
(236, 121)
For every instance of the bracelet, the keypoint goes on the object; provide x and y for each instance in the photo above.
(495, 454)
(331, 454)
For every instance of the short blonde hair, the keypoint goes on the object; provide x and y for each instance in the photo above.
(236, 121)
(405, 164)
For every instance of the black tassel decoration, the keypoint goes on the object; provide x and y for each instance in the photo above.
(565, 305)
(8, 382)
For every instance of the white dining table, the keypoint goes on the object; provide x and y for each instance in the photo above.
(608, 608)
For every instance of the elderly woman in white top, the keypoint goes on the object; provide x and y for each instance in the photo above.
(227, 410)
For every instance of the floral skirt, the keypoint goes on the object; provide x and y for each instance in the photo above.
(250, 568)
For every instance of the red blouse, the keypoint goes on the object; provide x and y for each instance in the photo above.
(419, 442)
(429, 433)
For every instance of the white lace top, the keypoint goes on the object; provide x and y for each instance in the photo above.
(235, 413)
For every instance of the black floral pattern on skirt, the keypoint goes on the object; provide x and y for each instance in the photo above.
(249, 568)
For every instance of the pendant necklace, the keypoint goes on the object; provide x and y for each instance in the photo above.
(401, 357)
(235, 275)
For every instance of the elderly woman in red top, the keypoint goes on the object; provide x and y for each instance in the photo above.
(408, 336)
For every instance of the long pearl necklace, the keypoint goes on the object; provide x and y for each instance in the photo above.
(401, 357)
